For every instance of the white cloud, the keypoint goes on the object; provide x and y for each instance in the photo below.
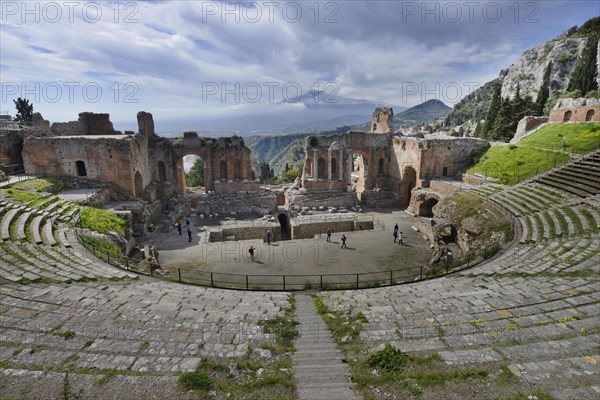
(166, 55)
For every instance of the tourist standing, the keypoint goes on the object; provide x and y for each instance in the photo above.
(343, 241)
(187, 223)
(401, 239)
(251, 251)
(189, 235)
(395, 235)
(329, 235)
(179, 227)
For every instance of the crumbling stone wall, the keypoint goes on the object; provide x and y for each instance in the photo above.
(115, 159)
(526, 125)
(382, 120)
(87, 124)
(226, 160)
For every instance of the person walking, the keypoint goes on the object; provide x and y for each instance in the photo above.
(400, 239)
(189, 235)
(329, 235)
(395, 235)
(187, 223)
(269, 236)
(251, 251)
(179, 227)
(343, 241)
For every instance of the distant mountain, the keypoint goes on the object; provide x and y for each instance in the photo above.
(311, 112)
(323, 97)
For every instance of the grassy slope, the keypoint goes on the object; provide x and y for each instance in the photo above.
(512, 164)
(580, 138)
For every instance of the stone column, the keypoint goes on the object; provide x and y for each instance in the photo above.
(315, 164)
(349, 168)
(329, 164)
(340, 164)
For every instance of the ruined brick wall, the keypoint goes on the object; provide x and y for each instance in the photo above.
(87, 124)
(11, 145)
(226, 159)
(576, 110)
(448, 156)
(145, 124)
(109, 159)
(382, 120)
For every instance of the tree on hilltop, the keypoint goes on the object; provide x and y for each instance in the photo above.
(24, 110)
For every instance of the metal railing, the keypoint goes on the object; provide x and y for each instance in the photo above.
(282, 282)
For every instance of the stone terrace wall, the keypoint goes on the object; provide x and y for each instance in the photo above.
(260, 203)
(244, 233)
(581, 109)
(309, 230)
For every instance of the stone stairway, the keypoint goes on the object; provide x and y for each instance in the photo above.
(319, 367)
(580, 177)
(35, 246)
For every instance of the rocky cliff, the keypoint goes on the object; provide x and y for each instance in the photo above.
(528, 72)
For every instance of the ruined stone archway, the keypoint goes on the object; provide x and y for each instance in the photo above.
(567, 116)
(426, 207)
(321, 168)
(409, 182)
(138, 184)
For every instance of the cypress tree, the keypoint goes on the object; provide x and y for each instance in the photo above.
(492, 114)
(544, 92)
(583, 77)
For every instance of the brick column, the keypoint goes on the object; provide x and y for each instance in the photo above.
(349, 168)
(315, 164)
(329, 164)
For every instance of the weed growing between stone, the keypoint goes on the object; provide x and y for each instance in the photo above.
(388, 371)
(260, 374)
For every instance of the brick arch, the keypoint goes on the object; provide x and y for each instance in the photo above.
(589, 115)
(567, 115)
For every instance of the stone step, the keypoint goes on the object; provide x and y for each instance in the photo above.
(34, 229)
(47, 235)
(5, 224)
(21, 224)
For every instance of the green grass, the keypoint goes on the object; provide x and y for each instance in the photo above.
(513, 164)
(102, 221)
(284, 328)
(35, 184)
(24, 196)
(580, 138)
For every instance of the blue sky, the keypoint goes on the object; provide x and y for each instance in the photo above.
(194, 58)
